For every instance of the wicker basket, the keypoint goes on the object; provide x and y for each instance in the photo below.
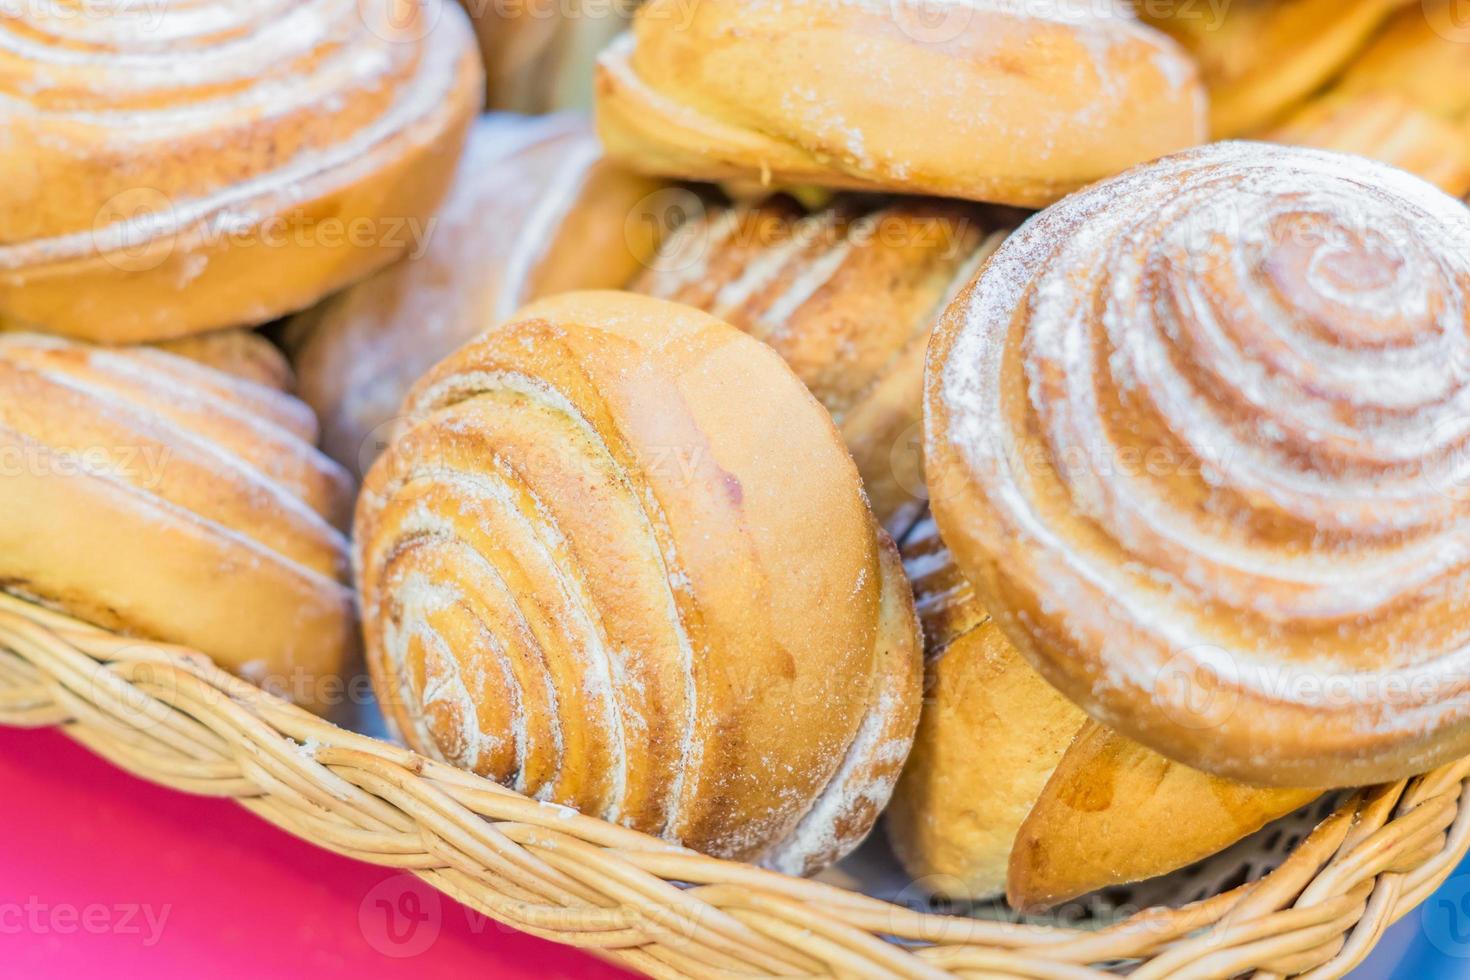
(172, 717)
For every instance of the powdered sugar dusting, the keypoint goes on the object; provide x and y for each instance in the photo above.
(234, 80)
(95, 446)
(1290, 326)
(513, 482)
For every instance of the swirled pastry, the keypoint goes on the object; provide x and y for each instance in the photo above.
(1196, 436)
(535, 210)
(989, 100)
(1010, 788)
(1405, 100)
(620, 560)
(158, 498)
(539, 56)
(186, 167)
(847, 295)
(1261, 58)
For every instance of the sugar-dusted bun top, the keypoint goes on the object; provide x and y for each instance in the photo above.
(1002, 101)
(128, 122)
(618, 558)
(160, 498)
(1198, 436)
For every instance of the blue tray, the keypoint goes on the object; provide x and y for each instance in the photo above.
(1431, 943)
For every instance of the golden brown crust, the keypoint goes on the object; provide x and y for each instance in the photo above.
(989, 737)
(849, 806)
(847, 295)
(136, 482)
(535, 210)
(245, 171)
(1010, 789)
(588, 572)
(1386, 127)
(1421, 54)
(1261, 58)
(1229, 529)
(240, 353)
(1403, 100)
(1114, 812)
(976, 100)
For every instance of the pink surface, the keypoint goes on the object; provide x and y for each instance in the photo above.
(104, 875)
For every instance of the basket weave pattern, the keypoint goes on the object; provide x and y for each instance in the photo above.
(172, 717)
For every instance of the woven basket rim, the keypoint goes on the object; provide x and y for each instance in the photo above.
(171, 716)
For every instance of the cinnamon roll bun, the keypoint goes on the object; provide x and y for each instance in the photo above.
(1011, 789)
(591, 570)
(1197, 437)
(847, 295)
(159, 498)
(990, 100)
(177, 168)
(535, 210)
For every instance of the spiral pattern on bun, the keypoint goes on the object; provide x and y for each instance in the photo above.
(1197, 436)
(590, 572)
(181, 167)
(159, 498)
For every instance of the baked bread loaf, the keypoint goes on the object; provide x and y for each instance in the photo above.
(539, 56)
(1405, 100)
(191, 167)
(158, 498)
(1196, 437)
(1261, 58)
(1011, 789)
(242, 353)
(534, 211)
(987, 100)
(588, 571)
(1388, 127)
(847, 295)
